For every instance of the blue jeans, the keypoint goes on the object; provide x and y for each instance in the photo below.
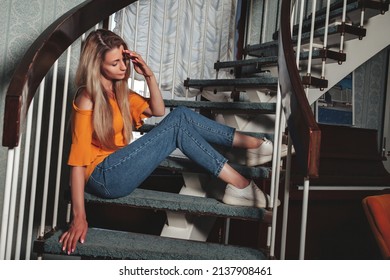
(124, 170)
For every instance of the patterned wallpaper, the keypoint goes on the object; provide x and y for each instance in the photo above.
(369, 91)
(22, 21)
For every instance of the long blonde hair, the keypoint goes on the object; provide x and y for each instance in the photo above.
(97, 44)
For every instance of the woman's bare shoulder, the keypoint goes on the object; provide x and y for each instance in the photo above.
(83, 100)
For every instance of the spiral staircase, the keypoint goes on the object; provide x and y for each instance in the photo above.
(190, 212)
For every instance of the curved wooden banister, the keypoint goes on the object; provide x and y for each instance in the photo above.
(303, 128)
(42, 54)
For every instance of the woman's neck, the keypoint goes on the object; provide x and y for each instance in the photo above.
(108, 85)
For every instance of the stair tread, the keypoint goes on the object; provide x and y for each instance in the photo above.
(264, 49)
(353, 9)
(109, 244)
(320, 54)
(232, 84)
(157, 200)
(182, 164)
(148, 127)
(351, 32)
(336, 29)
(246, 62)
(244, 106)
(336, 11)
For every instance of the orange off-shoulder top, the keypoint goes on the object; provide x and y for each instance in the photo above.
(87, 151)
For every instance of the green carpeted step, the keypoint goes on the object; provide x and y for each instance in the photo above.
(157, 200)
(254, 65)
(267, 82)
(239, 107)
(148, 127)
(262, 61)
(108, 244)
(178, 164)
(266, 49)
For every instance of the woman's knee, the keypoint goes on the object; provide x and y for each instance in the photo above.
(180, 112)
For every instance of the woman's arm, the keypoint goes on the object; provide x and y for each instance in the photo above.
(79, 226)
(156, 102)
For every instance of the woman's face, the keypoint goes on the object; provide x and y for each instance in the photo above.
(114, 65)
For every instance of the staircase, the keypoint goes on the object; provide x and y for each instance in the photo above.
(192, 212)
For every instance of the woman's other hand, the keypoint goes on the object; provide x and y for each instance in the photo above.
(139, 64)
(77, 232)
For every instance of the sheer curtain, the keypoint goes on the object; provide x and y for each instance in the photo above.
(180, 39)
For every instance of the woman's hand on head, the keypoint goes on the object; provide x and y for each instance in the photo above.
(139, 64)
(77, 232)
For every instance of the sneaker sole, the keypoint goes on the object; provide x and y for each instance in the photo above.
(241, 202)
(245, 202)
(258, 161)
(263, 159)
(255, 160)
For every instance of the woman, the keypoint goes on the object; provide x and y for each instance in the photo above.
(104, 114)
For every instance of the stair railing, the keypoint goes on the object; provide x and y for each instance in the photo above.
(303, 129)
(28, 77)
(302, 126)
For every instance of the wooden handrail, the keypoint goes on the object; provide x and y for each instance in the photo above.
(304, 131)
(42, 54)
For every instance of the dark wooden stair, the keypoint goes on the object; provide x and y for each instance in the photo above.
(350, 157)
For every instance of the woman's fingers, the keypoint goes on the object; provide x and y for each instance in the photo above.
(70, 238)
(139, 64)
(64, 240)
(69, 243)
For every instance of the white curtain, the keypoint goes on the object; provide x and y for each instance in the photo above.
(180, 39)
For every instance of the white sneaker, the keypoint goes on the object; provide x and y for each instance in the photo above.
(260, 155)
(284, 150)
(263, 153)
(248, 196)
(257, 156)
